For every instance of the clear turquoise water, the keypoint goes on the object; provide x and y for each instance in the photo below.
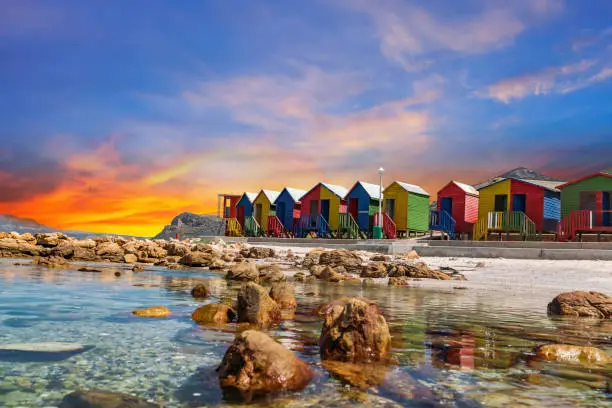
(454, 347)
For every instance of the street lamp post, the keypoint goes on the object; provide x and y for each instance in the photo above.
(378, 230)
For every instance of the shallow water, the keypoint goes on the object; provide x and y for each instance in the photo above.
(454, 347)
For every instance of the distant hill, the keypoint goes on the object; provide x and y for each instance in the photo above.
(521, 173)
(191, 225)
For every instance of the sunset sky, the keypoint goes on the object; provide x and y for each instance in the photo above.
(117, 115)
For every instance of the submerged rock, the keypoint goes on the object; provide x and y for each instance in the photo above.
(399, 281)
(256, 363)
(282, 294)
(354, 333)
(214, 314)
(564, 353)
(362, 376)
(244, 271)
(154, 311)
(582, 304)
(44, 351)
(50, 261)
(255, 306)
(200, 291)
(103, 399)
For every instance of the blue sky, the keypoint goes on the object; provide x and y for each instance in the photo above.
(175, 101)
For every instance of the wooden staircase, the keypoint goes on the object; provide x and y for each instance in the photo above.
(515, 221)
(252, 228)
(347, 227)
(389, 227)
(442, 221)
(276, 228)
(233, 227)
(578, 220)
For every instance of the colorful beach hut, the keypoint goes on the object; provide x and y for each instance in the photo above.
(288, 208)
(520, 201)
(362, 202)
(228, 212)
(456, 209)
(586, 205)
(263, 208)
(320, 208)
(407, 206)
(244, 212)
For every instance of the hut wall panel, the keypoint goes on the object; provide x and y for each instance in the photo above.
(394, 191)
(534, 196)
(459, 201)
(248, 207)
(289, 209)
(418, 212)
(471, 209)
(363, 207)
(570, 195)
(486, 202)
(266, 210)
(334, 206)
(314, 194)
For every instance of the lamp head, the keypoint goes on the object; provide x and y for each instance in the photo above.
(381, 170)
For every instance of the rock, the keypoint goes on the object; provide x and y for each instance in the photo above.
(227, 258)
(261, 253)
(130, 258)
(176, 248)
(216, 264)
(399, 281)
(256, 363)
(282, 294)
(176, 267)
(354, 333)
(200, 291)
(362, 376)
(380, 258)
(582, 304)
(324, 309)
(28, 238)
(91, 270)
(335, 277)
(18, 247)
(84, 243)
(323, 272)
(110, 251)
(342, 257)
(563, 353)
(138, 268)
(51, 239)
(197, 259)
(270, 273)
(290, 255)
(214, 314)
(255, 306)
(84, 254)
(50, 261)
(244, 271)
(419, 270)
(374, 270)
(312, 258)
(152, 250)
(316, 270)
(65, 249)
(412, 255)
(154, 311)
(103, 399)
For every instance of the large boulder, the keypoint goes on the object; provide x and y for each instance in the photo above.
(354, 333)
(244, 271)
(270, 273)
(50, 239)
(65, 249)
(154, 311)
(374, 270)
(214, 314)
(103, 399)
(176, 248)
(563, 353)
(84, 243)
(197, 259)
(261, 253)
(111, 251)
(324, 309)
(255, 306)
(582, 304)
(282, 294)
(342, 257)
(130, 258)
(419, 270)
(256, 363)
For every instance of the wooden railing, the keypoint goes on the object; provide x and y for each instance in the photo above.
(578, 220)
(275, 227)
(442, 221)
(232, 227)
(323, 228)
(347, 226)
(500, 221)
(251, 227)
(304, 224)
(389, 227)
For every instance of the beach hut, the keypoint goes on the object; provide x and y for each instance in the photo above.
(362, 202)
(406, 208)
(244, 213)
(456, 209)
(520, 201)
(586, 205)
(288, 206)
(263, 208)
(320, 208)
(227, 210)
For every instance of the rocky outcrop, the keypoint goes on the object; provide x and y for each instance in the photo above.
(103, 399)
(259, 253)
(349, 260)
(50, 261)
(111, 251)
(175, 248)
(18, 247)
(244, 271)
(312, 258)
(255, 306)
(197, 259)
(282, 294)
(354, 333)
(51, 239)
(154, 311)
(582, 304)
(258, 364)
(563, 353)
(374, 270)
(214, 314)
(200, 291)
(270, 273)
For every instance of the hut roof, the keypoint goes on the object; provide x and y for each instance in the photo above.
(466, 187)
(251, 196)
(295, 193)
(373, 190)
(545, 184)
(270, 194)
(411, 188)
(337, 190)
(606, 173)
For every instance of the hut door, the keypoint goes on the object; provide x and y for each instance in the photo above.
(519, 203)
(501, 203)
(390, 207)
(325, 209)
(258, 211)
(314, 212)
(446, 204)
(281, 213)
(354, 207)
(241, 215)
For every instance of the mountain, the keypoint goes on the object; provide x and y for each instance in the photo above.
(190, 225)
(521, 173)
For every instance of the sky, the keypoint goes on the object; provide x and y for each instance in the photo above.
(117, 115)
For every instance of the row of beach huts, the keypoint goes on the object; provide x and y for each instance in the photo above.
(520, 204)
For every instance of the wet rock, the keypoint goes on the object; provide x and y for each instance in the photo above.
(130, 258)
(412, 255)
(270, 273)
(227, 257)
(50, 261)
(91, 270)
(324, 309)
(342, 257)
(312, 258)
(244, 271)
(418, 270)
(261, 253)
(255, 306)
(18, 247)
(301, 277)
(216, 264)
(51, 239)
(564, 353)
(354, 333)
(197, 259)
(200, 291)
(138, 268)
(175, 248)
(290, 256)
(154, 311)
(103, 399)
(362, 376)
(399, 281)
(336, 277)
(316, 270)
(582, 304)
(214, 314)
(84, 254)
(374, 270)
(111, 251)
(282, 294)
(176, 267)
(256, 363)
(380, 258)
